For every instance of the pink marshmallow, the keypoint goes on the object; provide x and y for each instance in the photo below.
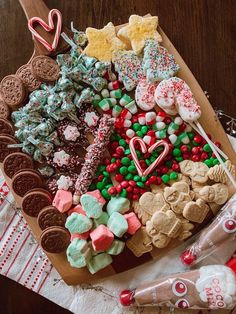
(77, 209)
(102, 238)
(83, 236)
(96, 194)
(62, 200)
(133, 223)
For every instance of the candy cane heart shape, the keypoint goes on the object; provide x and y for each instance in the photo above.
(150, 150)
(159, 159)
(47, 27)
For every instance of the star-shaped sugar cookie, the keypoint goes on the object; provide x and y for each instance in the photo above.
(103, 42)
(138, 30)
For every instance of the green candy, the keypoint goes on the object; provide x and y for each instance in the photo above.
(132, 169)
(207, 148)
(118, 204)
(99, 262)
(123, 193)
(102, 220)
(140, 184)
(125, 161)
(78, 223)
(129, 176)
(127, 151)
(100, 185)
(215, 162)
(165, 178)
(117, 224)
(122, 142)
(169, 163)
(144, 129)
(78, 253)
(152, 159)
(113, 160)
(123, 170)
(92, 187)
(190, 135)
(144, 179)
(139, 134)
(176, 152)
(173, 175)
(137, 178)
(106, 174)
(195, 143)
(208, 162)
(116, 248)
(105, 194)
(148, 162)
(136, 127)
(179, 159)
(105, 180)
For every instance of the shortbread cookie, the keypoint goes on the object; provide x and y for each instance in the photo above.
(196, 211)
(138, 30)
(197, 171)
(217, 193)
(178, 195)
(140, 242)
(103, 42)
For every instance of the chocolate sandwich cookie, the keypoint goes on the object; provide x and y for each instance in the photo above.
(4, 150)
(55, 239)
(50, 216)
(6, 127)
(12, 90)
(26, 75)
(4, 110)
(24, 180)
(45, 68)
(15, 162)
(34, 202)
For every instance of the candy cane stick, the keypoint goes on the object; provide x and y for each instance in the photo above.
(134, 155)
(48, 27)
(208, 140)
(159, 158)
(229, 174)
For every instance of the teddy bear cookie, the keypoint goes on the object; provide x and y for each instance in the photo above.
(197, 171)
(217, 193)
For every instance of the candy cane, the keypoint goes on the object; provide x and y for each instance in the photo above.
(134, 155)
(48, 27)
(159, 158)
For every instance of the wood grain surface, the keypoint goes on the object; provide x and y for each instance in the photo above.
(203, 31)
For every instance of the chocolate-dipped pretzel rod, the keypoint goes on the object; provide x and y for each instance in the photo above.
(94, 155)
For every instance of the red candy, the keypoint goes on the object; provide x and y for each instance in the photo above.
(197, 138)
(112, 190)
(124, 184)
(196, 158)
(184, 148)
(119, 177)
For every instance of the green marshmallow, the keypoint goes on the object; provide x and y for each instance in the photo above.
(102, 220)
(118, 204)
(91, 205)
(78, 253)
(116, 248)
(99, 262)
(117, 224)
(78, 223)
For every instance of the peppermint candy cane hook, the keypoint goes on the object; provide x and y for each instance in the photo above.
(133, 152)
(47, 27)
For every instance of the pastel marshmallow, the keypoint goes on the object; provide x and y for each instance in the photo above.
(78, 223)
(99, 262)
(102, 220)
(116, 248)
(92, 203)
(78, 253)
(133, 223)
(77, 209)
(117, 224)
(83, 236)
(118, 204)
(102, 238)
(62, 200)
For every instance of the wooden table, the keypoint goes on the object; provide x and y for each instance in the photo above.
(202, 32)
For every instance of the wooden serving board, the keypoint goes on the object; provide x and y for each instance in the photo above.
(209, 121)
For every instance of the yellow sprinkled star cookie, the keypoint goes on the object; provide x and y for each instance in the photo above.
(138, 30)
(103, 42)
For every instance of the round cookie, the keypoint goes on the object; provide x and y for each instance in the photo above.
(23, 181)
(4, 150)
(15, 162)
(55, 239)
(34, 202)
(13, 91)
(27, 77)
(45, 68)
(6, 127)
(49, 217)
(4, 110)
